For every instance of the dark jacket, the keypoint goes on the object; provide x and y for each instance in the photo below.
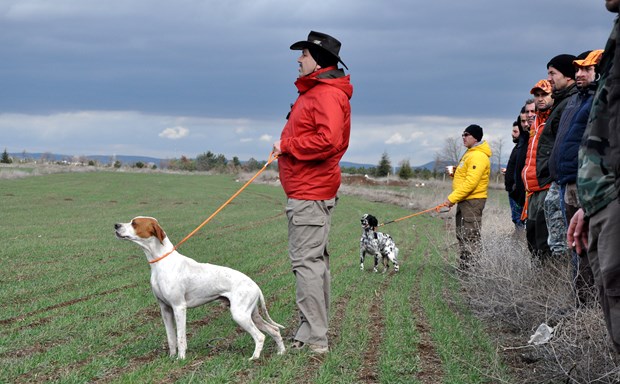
(547, 138)
(509, 176)
(573, 103)
(519, 195)
(512, 179)
(568, 149)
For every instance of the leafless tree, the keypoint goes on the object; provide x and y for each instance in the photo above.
(497, 148)
(450, 153)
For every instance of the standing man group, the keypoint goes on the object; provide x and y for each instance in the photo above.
(311, 145)
(469, 191)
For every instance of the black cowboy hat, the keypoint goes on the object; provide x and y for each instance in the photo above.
(323, 41)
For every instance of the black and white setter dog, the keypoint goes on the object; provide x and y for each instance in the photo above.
(380, 245)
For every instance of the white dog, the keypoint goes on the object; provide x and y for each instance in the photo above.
(179, 282)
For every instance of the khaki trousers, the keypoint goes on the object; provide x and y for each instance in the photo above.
(468, 223)
(308, 230)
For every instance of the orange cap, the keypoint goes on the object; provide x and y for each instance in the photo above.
(544, 85)
(593, 58)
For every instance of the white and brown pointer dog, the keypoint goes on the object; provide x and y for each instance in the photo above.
(179, 282)
(380, 245)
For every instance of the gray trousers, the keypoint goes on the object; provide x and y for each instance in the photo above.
(603, 251)
(308, 231)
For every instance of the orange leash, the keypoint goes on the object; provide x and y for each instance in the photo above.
(436, 209)
(271, 159)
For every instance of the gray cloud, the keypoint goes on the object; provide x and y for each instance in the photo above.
(94, 72)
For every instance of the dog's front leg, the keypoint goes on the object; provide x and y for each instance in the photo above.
(167, 316)
(362, 255)
(180, 317)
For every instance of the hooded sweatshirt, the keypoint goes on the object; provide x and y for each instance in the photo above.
(471, 177)
(316, 135)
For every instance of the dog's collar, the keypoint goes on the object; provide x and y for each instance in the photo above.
(162, 256)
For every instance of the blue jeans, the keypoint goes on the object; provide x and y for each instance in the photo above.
(515, 212)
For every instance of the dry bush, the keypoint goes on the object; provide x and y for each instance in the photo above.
(514, 294)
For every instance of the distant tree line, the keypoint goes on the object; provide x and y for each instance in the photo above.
(214, 163)
(384, 169)
(449, 154)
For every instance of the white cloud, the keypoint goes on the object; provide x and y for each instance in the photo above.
(266, 138)
(174, 133)
(398, 138)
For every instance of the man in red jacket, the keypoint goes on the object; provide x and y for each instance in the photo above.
(536, 231)
(311, 145)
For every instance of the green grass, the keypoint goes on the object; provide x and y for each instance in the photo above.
(76, 306)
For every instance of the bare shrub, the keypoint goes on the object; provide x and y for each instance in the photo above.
(515, 293)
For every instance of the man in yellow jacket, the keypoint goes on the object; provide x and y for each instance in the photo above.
(469, 191)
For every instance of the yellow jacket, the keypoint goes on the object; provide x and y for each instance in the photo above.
(471, 178)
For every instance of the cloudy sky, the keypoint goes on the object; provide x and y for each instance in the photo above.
(167, 78)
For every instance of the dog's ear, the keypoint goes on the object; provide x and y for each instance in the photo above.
(158, 232)
(372, 221)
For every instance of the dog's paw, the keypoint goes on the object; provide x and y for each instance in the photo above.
(396, 268)
(375, 270)
(361, 267)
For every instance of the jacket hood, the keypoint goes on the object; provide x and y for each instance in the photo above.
(483, 147)
(330, 76)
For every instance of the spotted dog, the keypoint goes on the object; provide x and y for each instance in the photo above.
(380, 245)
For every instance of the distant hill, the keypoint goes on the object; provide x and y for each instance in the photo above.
(348, 164)
(108, 159)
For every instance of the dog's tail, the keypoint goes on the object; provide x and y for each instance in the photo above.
(264, 308)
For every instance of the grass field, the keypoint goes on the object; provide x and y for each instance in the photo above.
(76, 305)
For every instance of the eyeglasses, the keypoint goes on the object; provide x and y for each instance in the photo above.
(465, 134)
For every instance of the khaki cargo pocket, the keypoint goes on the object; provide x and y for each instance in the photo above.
(307, 223)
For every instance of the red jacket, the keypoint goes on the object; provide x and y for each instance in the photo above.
(316, 136)
(529, 173)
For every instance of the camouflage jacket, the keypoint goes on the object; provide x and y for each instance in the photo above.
(597, 162)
